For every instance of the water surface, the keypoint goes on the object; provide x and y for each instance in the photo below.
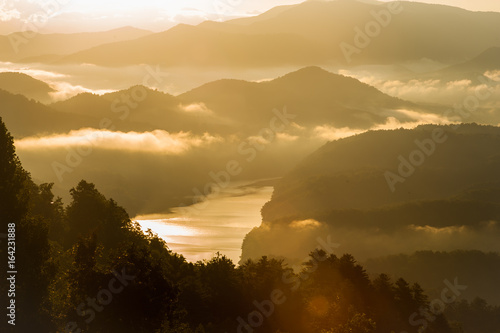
(216, 225)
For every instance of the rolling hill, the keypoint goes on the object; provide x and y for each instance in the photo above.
(312, 33)
(33, 47)
(234, 112)
(18, 83)
(141, 109)
(205, 48)
(446, 200)
(488, 60)
(28, 118)
(316, 96)
(333, 22)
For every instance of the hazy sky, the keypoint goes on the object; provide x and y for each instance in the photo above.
(88, 15)
(91, 15)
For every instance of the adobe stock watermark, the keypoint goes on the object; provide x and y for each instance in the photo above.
(122, 106)
(407, 166)
(31, 28)
(427, 147)
(130, 101)
(372, 29)
(11, 273)
(103, 298)
(266, 308)
(248, 149)
(424, 316)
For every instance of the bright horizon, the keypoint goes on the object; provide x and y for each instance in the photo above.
(154, 15)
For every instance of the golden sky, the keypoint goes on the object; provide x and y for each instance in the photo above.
(156, 15)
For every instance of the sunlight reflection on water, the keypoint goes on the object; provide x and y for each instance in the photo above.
(220, 226)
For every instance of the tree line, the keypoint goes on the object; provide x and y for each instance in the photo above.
(86, 267)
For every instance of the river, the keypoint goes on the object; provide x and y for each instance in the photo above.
(217, 225)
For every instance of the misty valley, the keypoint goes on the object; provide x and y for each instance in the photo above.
(319, 166)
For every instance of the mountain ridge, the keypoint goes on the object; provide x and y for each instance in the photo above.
(449, 201)
(20, 83)
(320, 27)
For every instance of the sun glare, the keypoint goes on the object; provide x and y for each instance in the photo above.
(167, 228)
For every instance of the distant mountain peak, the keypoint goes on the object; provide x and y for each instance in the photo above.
(128, 28)
(20, 83)
(137, 89)
(25, 79)
(486, 61)
(81, 98)
(314, 74)
(491, 54)
(311, 70)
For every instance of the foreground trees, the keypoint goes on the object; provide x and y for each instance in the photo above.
(87, 267)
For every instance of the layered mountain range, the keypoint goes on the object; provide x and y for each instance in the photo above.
(313, 32)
